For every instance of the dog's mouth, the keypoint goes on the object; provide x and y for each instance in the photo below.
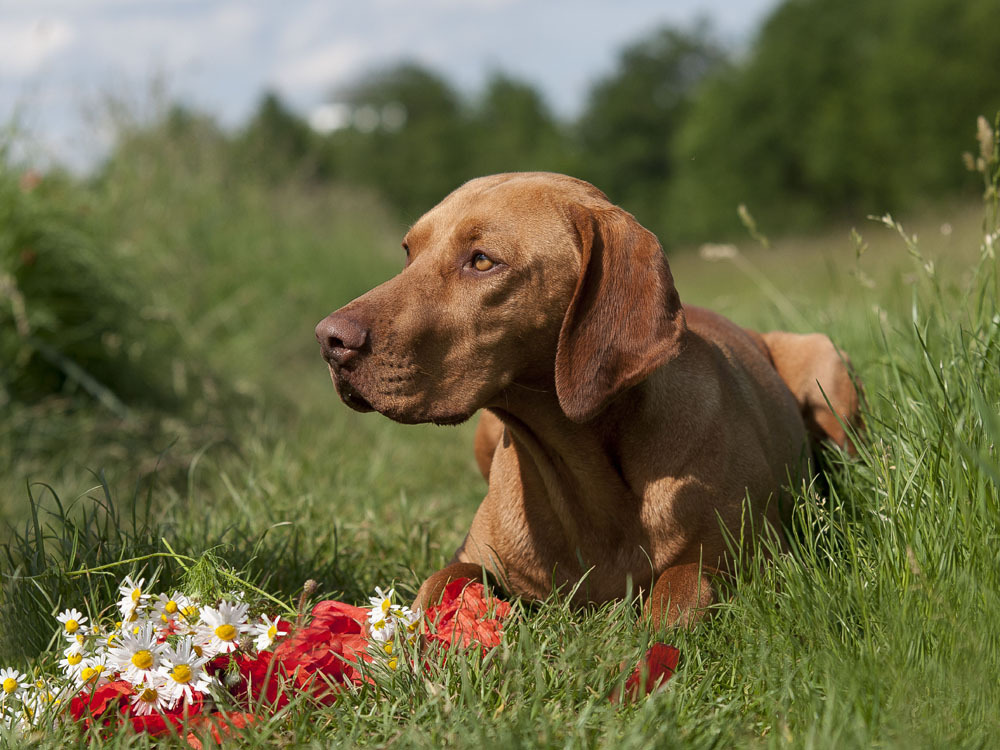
(350, 396)
(394, 406)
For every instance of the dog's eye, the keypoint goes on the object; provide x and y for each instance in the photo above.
(482, 263)
(406, 248)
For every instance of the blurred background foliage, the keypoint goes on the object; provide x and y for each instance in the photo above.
(837, 109)
(159, 290)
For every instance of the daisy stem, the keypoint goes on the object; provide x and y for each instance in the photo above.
(173, 555)
(176, 556)
(261, 592)
(181, 560)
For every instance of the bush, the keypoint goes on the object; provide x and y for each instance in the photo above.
(72, 323)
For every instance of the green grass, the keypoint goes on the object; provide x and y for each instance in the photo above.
(878, 629)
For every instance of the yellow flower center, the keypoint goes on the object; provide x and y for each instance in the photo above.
(189, 611)
(272, 632)
(164, 618)
(170, 607)
(79, 637)
(392, 663)
(91, 673)
(136, 594)
(225, 632)
(197, 649)
(385, 605)
(149, 695)
(142, 659)
(72, 626)
(9, 685)
(74, 659)
(181, 673)
(387, 647)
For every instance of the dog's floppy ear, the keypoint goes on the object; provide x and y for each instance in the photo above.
(625, 318)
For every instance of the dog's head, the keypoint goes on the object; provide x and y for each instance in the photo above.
(527, 278)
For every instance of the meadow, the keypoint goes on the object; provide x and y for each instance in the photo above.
(219, 434)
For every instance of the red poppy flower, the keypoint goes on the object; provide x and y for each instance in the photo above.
(316, 659)
(157, 724)
(91, 704)
(221, 724)
(654, 669)
(462, 616)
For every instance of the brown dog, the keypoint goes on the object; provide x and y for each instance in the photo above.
(624, 432)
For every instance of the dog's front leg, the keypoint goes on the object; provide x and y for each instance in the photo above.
(431, 590)
(681, 596)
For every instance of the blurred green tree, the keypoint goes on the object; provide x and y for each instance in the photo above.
(631, 118)
(277, 143)
(841, 108)
(514, 131)
(408, 137)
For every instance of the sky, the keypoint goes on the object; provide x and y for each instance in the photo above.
(61, 60)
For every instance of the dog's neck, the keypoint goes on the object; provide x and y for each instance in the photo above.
(579, 465)
(585, 467)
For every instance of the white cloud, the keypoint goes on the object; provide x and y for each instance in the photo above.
(320, 67)
(26, 46)
(218, 55)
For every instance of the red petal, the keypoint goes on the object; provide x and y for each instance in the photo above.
(461, 618)
(156, 724)
(93, 703)
(221, 724)
(659, 664)
(343, 618)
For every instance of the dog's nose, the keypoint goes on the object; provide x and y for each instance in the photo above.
(340, 338)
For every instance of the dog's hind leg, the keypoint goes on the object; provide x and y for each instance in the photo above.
(818, 375)
(681, 596)
(488, 434)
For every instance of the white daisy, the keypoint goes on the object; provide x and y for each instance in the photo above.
(80, 636)
(12, 684)
(111, 639)
(221, 627)
(138, 656)
(73, 623)
(132, 597)
(203, 642)
(152, 697)
(382, 601)
(72, 660)
(267, 631)
(388, 647)
(176, 606)
(409, 620)
(94, 671)
(45, 695)
(381, 623)
(28, 713)
(184, 672)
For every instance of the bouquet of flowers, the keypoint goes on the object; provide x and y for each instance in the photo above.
(171, 661)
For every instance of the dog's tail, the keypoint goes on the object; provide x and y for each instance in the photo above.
(819, 376)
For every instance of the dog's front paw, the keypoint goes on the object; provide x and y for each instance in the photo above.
(432, 589)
